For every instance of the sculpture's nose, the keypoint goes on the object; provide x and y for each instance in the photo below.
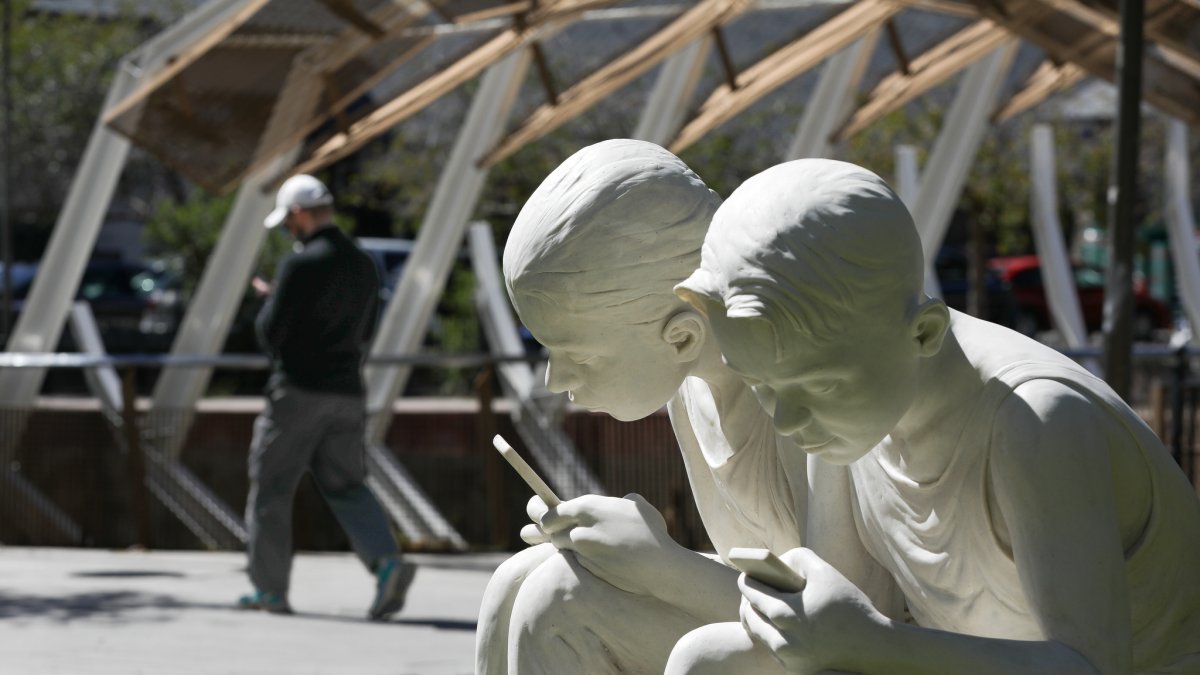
(790, 419)
(561, 375)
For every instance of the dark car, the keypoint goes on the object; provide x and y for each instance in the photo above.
(137, 306)
(1023, 277)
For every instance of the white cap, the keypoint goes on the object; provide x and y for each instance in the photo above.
(302, 191)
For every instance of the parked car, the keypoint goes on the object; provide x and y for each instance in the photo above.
(137, 306)
(953, 273)
(1023, 277)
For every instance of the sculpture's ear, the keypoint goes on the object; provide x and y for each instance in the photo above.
(930, 326)
(685, 334)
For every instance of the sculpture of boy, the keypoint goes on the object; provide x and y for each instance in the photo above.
(591, 265)
(1032, 521)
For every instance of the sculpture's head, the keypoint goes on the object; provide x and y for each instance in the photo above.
(590, 265)
(811, 278)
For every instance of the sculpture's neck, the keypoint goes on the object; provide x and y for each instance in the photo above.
(926, 439)
(734, 401)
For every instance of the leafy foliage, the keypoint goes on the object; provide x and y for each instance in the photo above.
(61, 69)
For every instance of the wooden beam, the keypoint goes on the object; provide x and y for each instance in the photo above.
(543, 71)
(1164, 86)
(723, 54)
(495, 12)
(1047, 80)
(416, 98)
(319, 63)
(897, 46)
(346, 11)
(925, 72)
(951, 7)
(783, 65)
(689, 26)
(184, 59)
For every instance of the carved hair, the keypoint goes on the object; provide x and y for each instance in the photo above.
(808, 244)
(610, 232)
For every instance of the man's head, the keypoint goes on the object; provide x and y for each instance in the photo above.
(811, 276)
(302, 204)
(590, 265)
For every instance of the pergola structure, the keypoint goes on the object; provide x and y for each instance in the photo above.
(241, 93)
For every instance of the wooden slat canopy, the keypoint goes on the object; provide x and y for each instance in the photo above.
(282, 72)
(925, 72)
(784, 65)
(698, 20)
(294, 63)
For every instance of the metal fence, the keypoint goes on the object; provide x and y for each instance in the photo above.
(92, 470)
(75, 471)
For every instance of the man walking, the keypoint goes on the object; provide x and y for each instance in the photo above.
(320, 313)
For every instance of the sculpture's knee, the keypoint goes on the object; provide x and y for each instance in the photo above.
(491, 638)
(718, 649)
(512, 572)
(547, 599)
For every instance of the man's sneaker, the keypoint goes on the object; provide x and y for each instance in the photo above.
(268, 602)
(392, 580)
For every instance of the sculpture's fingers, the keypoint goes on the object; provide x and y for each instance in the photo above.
(804, 560)
(767, 601)
(585, 510)
(550, 518)
(535, 508)
(759, 628)
(562, 540)
(533, 535)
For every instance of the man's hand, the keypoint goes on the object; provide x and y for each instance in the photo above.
(261, 286)
(816, 629)
(622, 541)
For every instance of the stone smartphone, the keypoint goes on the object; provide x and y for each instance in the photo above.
(526, 472)
(764, 566)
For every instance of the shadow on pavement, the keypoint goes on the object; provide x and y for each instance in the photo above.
(113, 605)
(438, 624)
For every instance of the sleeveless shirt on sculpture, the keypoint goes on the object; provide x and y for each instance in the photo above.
(937, 538)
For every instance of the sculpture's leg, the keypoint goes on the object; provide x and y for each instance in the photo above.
(717, 649)
(491, 638)
(565, 620)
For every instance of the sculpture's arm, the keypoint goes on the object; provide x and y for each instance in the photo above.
(832, 534)
(1051, 477)
(624, 541)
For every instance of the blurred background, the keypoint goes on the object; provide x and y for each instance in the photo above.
(144, 141)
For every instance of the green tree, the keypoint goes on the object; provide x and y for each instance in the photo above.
(61, 68)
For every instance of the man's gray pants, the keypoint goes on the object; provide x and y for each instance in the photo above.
(298, 431)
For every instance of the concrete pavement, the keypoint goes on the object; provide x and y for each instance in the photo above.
(92, 612)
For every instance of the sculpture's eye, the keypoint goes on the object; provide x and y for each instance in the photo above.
(823, 386)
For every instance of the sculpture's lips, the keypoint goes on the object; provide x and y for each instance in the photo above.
(809, 447)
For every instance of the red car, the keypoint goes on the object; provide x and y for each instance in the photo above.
(1023, 276)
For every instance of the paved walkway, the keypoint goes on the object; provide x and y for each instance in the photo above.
(86, 612)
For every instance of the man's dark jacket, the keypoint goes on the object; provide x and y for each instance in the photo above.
(320, 317)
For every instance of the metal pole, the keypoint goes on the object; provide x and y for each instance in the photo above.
(1177, 396)
(5, 172)
(1118, 289)
(135, 465)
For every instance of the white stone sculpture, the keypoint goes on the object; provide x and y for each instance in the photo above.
(1032, 521)
(590, 266)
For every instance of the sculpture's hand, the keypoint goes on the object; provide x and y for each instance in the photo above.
(817, 629)
(622, 541)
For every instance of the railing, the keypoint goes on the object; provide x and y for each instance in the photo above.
(76, 471)
(438, 466)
